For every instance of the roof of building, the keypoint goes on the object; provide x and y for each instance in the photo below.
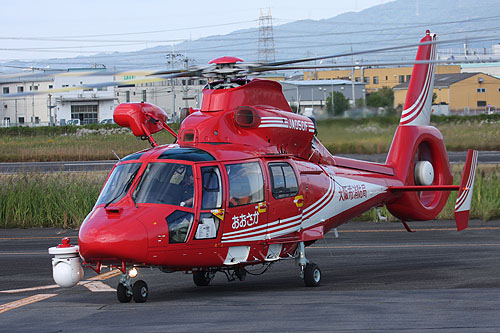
(320, 82)
(442, 80)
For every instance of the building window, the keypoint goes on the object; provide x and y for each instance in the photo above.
(37, 120)
(144, 97)
(5, 90)
(401, 79)
(408, 77)
(387, 78)
(366, 79)
(20, 89)
(51, 86)
(127, 96)
(21, 120)
(375, 79)
(481, 90)
(481, 103)
(357, 79)
(86, 113)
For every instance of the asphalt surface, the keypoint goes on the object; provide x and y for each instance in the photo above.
(375, 277)
(487, 157)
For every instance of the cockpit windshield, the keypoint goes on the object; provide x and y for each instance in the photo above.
(118, 183)
(166, 183)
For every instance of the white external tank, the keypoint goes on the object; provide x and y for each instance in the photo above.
(67, 270)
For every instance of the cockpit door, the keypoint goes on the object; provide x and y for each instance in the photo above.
(210, 215)
(246, 208)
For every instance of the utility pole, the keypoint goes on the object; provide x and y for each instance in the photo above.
(172, 62)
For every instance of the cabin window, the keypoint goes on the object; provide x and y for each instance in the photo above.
(166, 183)
(207, 226)
(246, 184)
(179, 225)
(283, 180)
(211, 188)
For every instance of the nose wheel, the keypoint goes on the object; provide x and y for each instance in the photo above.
(125, 291)
(140, 291)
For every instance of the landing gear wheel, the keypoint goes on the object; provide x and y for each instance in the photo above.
(140, 291)
(312, 275)
(122, 293)
(201, 278)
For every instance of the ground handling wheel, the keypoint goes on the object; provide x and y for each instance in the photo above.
(122, 293)
(140, 291)
(312, 275)
(201, 278)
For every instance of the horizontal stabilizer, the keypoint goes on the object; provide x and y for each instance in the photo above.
(464, 199)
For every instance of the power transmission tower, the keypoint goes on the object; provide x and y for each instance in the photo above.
(266, 37)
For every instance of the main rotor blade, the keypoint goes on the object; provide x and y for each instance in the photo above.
(389, 48)
(373, 64)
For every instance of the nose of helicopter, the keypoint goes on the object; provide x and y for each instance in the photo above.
(112, 236)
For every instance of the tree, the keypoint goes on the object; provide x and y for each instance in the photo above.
(382, 98)
(340, 104)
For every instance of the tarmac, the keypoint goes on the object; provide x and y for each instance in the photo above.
(375, 277)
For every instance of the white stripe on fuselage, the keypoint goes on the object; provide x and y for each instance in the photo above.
(343, 194)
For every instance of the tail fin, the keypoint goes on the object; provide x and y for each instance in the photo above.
(416, 144)
(462, 207)
(418, 104)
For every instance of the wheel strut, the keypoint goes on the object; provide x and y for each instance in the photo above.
(309, 271)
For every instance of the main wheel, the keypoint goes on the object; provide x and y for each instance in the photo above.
(201, 278)
(140, 291)
(312, 275)
(122, 293)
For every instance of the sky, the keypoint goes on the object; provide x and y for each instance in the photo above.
(55, 28)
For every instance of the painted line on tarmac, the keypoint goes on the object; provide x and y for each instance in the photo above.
(400, 246)
(100, 277)
(105, 276)
(13, 291)
(28, 238)
(424, 229)
(24, 301)
(24, 253)
(96, 286)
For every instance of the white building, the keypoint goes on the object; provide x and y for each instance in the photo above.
(25, 110)
(87, 105)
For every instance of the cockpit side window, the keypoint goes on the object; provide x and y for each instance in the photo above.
(166, 183)
(246, 183)
(211, 188)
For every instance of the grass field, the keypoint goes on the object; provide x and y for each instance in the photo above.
(343, 135)
(64, 199)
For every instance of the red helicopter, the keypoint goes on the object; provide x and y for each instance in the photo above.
(248, 183)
